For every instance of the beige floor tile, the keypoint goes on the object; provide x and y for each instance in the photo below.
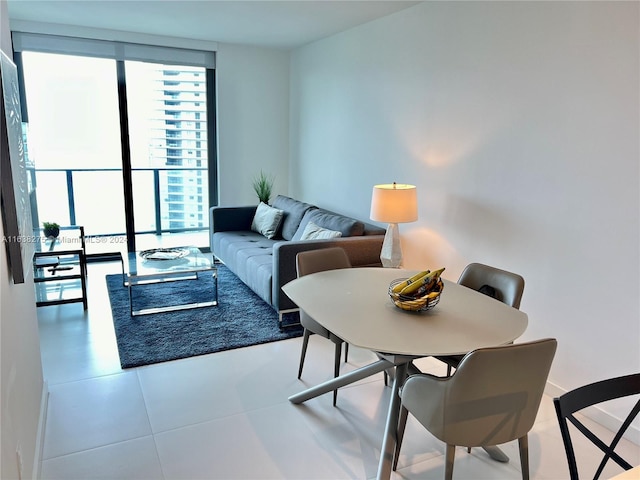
(133, 459)
(268, 443)
(91, 413)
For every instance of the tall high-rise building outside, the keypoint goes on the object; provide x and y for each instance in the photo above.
(179, 143)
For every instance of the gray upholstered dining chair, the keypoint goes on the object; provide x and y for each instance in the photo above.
(507, 287)
(313, 261)
(492, 398)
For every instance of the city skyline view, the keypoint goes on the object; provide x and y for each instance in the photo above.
(74, 132)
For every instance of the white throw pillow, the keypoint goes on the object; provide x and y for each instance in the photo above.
(314, 232)
(267, 220)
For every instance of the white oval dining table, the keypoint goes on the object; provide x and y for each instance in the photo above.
(354, 304)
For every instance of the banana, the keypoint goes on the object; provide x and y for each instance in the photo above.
(409, 281)
(428, 280)
(416, 284)
(403, 306)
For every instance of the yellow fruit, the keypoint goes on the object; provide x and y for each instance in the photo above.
(414, 286)
(404, 305)
(429, 280)
(409, 281)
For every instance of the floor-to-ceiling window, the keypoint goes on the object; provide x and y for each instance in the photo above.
(169, 149)
(74, 140)
(122, 144)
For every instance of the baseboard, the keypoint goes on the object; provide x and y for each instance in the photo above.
(42, 422)
(600, 416)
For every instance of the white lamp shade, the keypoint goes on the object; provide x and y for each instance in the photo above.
(394, 203)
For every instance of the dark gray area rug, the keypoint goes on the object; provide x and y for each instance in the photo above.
(241, 319)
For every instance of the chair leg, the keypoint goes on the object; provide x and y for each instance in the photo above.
(402, 423)
(336, 369)
(523, 443)
(346, 352)
(496, 454)
(448, 467)
(305, 344)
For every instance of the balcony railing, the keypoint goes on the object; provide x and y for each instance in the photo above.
(97, 200)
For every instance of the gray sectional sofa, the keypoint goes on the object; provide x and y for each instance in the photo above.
(266, 264)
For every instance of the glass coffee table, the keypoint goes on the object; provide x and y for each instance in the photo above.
(161, 265)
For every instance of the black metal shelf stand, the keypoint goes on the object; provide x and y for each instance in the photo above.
(64, 260)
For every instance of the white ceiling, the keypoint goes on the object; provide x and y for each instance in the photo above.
(273, 24)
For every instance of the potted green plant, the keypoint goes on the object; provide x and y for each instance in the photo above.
(51, 229)
(263, 186)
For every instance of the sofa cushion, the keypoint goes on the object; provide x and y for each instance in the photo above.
(294, 210)
(249, 255)
(314, 232)
(226, 244)
(266, 220)
(255, 269)
(348, 227)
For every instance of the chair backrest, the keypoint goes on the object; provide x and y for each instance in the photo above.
(587, 396)
(319, 260)
(313, 261)
(492, 398)
(508, 286)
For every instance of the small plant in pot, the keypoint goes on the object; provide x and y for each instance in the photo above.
(51, 229)
(263, 186)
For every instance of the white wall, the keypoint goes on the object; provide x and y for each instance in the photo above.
(253, 120)
(21, 384)
(519, 124)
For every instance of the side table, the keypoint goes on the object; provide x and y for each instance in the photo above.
(62, 260)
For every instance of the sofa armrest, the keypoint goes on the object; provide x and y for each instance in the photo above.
(363, 251)
(230, 219)
(225, 219)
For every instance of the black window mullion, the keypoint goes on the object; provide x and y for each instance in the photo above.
(212, 167)
(126, 157)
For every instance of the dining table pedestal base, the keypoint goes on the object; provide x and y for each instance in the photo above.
(341, 381)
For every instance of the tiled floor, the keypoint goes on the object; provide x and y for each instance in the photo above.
(226, 415)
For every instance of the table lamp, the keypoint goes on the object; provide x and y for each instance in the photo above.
(393, 203)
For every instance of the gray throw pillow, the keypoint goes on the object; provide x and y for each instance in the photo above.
(266, 220)
(348, 227)
(314, 232)
(294, 210)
